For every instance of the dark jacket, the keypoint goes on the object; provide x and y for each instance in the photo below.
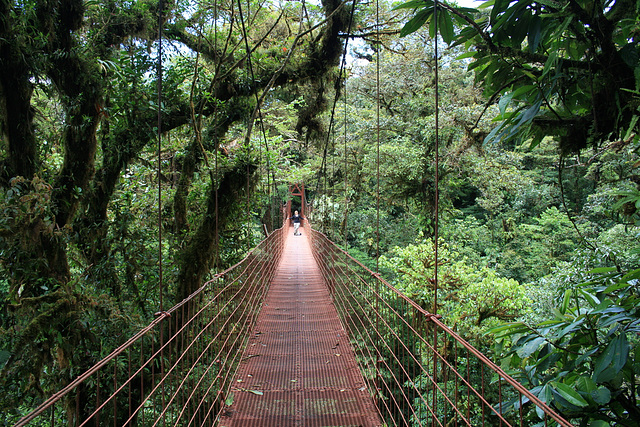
(296, 218)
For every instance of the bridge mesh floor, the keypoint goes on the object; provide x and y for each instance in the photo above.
(298, 368)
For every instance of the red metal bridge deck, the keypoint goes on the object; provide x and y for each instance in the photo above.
(298, 368)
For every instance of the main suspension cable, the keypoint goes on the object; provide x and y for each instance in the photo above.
(159, 148)
(250, 125)
(346, 175)
(159, 138)
(323, 165)
(436, 200)
(378, 48)
(437, 160)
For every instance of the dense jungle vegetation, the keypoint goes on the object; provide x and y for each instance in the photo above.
(539, 186)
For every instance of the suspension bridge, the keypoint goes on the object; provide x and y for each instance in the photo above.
(296, 334)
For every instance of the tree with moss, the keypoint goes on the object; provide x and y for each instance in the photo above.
(79, 116)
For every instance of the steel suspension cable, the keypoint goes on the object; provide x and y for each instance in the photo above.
(346, 176)
(250, 125)
(217, 147)
(332, 193)
(378, 48)
(159, 172)
(378, 340)
(437, 158)
(436, 198)
(159, 148)
(323, 165)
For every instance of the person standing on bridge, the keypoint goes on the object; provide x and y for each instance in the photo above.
(296, 223)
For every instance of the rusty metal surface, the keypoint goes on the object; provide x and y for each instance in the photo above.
(299, 369)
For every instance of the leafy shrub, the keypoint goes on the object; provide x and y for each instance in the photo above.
(586, 359)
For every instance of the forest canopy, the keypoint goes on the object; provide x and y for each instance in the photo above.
(132, 134)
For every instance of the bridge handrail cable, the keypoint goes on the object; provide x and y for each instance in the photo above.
(348, 281)
(239, 298)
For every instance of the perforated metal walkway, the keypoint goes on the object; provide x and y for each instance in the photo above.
(298, 368)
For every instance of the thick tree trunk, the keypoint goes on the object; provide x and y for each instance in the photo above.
(198, 256)
(16, 119)
(16, 114)
(80, 83)
(194, 156)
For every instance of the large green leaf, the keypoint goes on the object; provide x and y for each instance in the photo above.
(634, 274)
(535, 33)
(602, 270)
(530, 113)
(519, 25)
(606, 321)
(4, 356)
(412, 4)
(601, 396)
(592, 300)
(479, 62)
(546, 396)
(509, 329)
(571, 327)
(504, 102)
(445, 25)
(585, 384)
(530, 347)
(524, 90)
(416, 22)
(498, 7)
(566, 300)
(612, 359)
(569, 394)
(466, 55)
(550, 63)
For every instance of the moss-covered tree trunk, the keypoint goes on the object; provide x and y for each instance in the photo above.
(194, 157)
(197, 257)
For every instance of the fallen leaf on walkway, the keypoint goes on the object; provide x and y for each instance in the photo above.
(229, 400)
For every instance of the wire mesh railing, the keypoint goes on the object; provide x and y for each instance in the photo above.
(178, 370)
(421, 372)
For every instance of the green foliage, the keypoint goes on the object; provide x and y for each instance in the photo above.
(551, 65)
(585, 360)
(630, 202)
(26, 215)
(534, 249)
(472, 236)
(82, 178)
(469, 298)
(67, 285)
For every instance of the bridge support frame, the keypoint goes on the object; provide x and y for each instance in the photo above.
(297, 190)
